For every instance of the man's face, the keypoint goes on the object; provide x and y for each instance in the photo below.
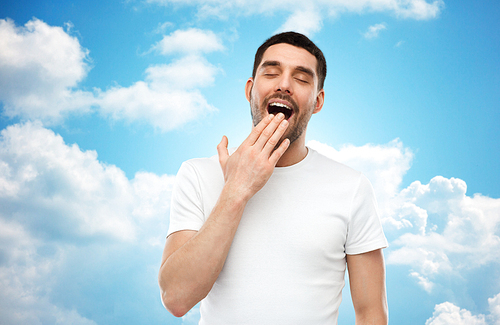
(286, 81)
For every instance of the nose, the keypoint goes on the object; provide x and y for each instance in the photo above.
(284, 84)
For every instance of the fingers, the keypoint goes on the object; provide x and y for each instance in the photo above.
(257, 130)
(276, 155)
(222, 151)
(271, 135)
(277, 132)
(262, 141)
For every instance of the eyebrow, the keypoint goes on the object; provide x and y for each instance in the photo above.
(299, 68)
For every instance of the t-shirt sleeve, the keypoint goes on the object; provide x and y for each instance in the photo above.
(186, 210)
(364, 232)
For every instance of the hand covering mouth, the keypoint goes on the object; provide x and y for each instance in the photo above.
(278, 107)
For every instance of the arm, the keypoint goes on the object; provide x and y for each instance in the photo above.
(192, 260)
(367, 279)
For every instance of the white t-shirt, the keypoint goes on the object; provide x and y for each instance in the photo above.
(287, 263)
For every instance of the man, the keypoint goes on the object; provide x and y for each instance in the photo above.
(263, 236)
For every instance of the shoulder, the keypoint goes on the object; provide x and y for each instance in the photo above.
(200, 171)
(326, 164)
(200, 165)
(341, 174)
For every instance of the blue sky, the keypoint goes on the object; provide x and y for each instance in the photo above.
(101, 101)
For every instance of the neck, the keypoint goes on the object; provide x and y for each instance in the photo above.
(294, 154)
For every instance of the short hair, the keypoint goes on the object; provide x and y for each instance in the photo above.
(298, 40)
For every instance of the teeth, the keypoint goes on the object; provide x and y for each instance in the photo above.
(280, 105)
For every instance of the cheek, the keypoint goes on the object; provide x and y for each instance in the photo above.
(257, 96)
(307, 100)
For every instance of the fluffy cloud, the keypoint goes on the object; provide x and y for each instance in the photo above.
(25, 276)
(169, 96)
(461, 232)
(167, 99)
(60, 192)
(40, 66)
(494, 304)
(306, 22)
(190, 41)
(374, 30)
(297, 9)
(450, 314)
(68, 222)
(423, 282)
(441, 233)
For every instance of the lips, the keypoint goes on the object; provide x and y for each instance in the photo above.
(276, 107)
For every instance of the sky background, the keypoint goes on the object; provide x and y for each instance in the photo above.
(101, 101)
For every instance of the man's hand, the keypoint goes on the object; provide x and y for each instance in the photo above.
(248, 169)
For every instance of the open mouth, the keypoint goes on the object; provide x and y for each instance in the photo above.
(275, 108)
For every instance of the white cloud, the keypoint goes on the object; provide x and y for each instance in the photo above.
(449, 314)
(418, 9)
(494, 304)
(374, 30)
(190, 41)
(25, 274)
(423, 281)
(40, 66)
(187, 73)
(162, 27)
(68, 221)
(20, 306)
(294, 9)
(169, 96)
(306, 22)
(463, 232)
(60, 192)
(414, 9)
(43, 178)
(167, 99)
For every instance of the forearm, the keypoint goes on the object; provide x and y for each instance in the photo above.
(367, 281)
(188, 274)
(373, 316)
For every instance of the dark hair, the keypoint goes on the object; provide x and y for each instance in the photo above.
(297, 40)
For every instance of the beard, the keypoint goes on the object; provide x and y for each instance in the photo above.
(297, 122)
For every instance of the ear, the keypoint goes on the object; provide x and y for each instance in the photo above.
(248, 88)
(320, 100)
